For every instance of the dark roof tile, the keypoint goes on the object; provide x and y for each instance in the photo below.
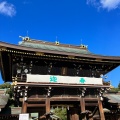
(58, 48)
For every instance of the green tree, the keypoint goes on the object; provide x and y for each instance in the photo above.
(119, 85)
(116, 89)
(8, 87)
(5, 85)
(61, 112)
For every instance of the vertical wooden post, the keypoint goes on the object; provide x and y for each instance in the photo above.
(74, 114)
(48, 108)
(24, 106)
(47, 105)
(101, 110)
(82, 104)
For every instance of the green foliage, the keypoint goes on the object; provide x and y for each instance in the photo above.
(61, 112)
(119, 85)
(117, 89)
(114, 90)
(8, 87)
(5, 85)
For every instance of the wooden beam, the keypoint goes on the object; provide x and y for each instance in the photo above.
(54, 99)
(91, 104)
(67, 98)
(36, 105)
(101, 110)
(35, 84)
(91, 99)
(34, 99)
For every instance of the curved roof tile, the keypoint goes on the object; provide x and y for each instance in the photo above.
(55, 48)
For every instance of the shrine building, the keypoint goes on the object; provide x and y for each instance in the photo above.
(46, 75)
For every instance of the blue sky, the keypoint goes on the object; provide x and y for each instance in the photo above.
(95, 22)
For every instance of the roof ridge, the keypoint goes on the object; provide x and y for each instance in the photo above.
(55, 47)
(83, 47)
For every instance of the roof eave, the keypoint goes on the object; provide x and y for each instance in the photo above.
(94, 56)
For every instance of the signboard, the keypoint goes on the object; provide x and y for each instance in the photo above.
(23, 116)
(63, 79)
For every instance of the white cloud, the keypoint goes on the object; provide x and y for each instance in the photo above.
(110, 4)
(7, 9)
(105, 4)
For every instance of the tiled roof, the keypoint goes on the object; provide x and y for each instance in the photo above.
(58, 48)
(4, 99)
(113, 98)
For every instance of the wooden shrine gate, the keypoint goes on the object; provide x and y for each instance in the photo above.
(46, 73)
(81, 109)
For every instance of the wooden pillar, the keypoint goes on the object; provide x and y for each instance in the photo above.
(101, 110)
(82, 104)
(47, 105)
(74, 114)
(47, 108)
(24, 106)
